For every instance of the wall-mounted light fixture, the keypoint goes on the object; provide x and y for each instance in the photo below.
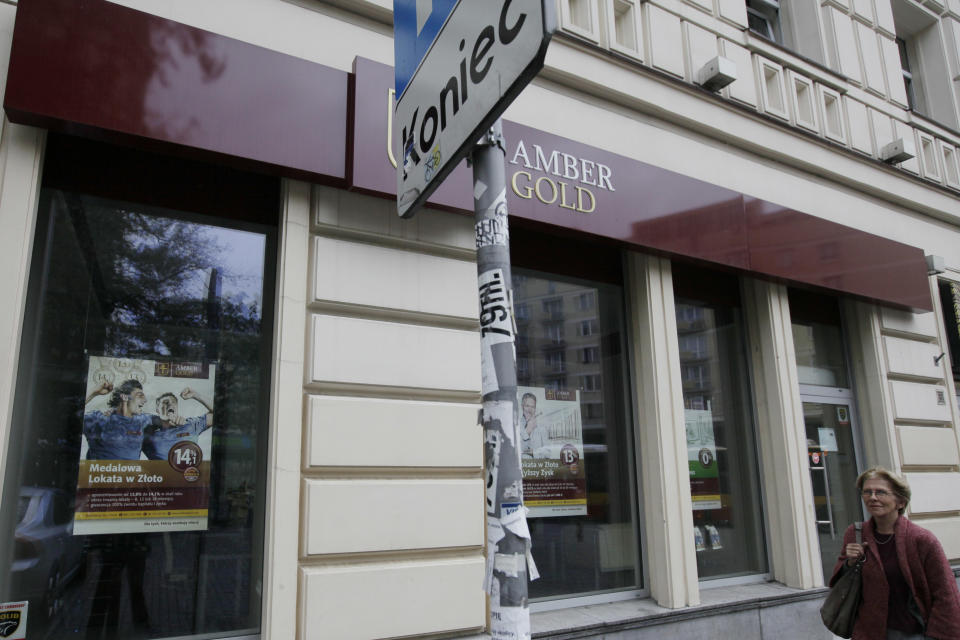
(717, 73)
(897, 151)
(934, 265)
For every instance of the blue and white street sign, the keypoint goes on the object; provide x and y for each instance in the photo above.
(459, 64)
(416, 23)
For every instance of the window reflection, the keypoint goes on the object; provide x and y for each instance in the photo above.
(721, 449)
(571, 377)
(138, 284)
(818, 340)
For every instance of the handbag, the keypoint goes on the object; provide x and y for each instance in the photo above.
(839, 610)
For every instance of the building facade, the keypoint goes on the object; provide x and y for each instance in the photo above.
(239, 394)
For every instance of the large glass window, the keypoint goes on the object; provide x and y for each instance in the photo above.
(817, 340)
(133, 497)
(721, 447)
(576, 442)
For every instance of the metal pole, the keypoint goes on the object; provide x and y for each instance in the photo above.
(508, 539)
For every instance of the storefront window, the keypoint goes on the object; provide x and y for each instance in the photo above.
(576, 444)
(817, 341)
(135, 483)
(721, 448)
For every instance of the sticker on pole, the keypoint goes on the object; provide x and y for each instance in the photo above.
(458, 66)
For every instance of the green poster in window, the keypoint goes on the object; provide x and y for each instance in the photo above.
(702, 459)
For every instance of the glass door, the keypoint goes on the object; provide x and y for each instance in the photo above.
(829, 417)
(832, 460)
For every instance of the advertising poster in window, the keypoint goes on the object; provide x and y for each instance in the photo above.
(145, 454)
(702, 456)
(551, 452)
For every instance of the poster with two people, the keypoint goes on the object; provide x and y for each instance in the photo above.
(145, 455)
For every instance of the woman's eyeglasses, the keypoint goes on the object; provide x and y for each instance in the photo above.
(880, 493)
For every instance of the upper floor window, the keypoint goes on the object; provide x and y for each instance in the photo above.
(763, 18)
(693, 345)
(590, 354)
(587, 327)
(794, 25)
(553, 307)
(556, 361)
(521, 311)
(553, 331)
(523, 368)
(591, 382)
(923, 62)
(585, 301)
(906, 72)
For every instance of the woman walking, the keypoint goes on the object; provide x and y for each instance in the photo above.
(909, 591)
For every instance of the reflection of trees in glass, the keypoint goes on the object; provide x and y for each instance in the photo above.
(125, 283)
(137, 283)
(156, 301)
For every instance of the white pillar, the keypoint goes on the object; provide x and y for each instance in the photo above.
(286, 421)
(791, 517)
(21, 161)
(661, 434)
(869, 373)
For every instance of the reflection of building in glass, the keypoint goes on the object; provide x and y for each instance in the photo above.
(699, 364)
(558, 341)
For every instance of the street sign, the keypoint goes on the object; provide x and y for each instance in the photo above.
(483, 53)
(416, 24)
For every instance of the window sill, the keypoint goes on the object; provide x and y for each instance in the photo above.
(925, 123)
(596, 619)
(611, 618)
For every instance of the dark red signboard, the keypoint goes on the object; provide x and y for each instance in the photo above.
(114, 73)
(106, 71)
(564, 183)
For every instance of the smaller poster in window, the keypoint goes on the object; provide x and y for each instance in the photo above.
(843, 416)
(702, 460)
(551, 452)
(146, 446)
(828, 439)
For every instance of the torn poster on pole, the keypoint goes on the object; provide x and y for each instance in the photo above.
(551, 448)
(145, 454)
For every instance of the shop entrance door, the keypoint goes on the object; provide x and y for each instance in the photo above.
(829, 419)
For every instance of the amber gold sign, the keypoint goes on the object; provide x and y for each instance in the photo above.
(568, 181)
(549, 191)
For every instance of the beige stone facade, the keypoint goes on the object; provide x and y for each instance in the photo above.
(376, 362)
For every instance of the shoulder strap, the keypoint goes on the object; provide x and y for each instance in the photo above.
(859, 527)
